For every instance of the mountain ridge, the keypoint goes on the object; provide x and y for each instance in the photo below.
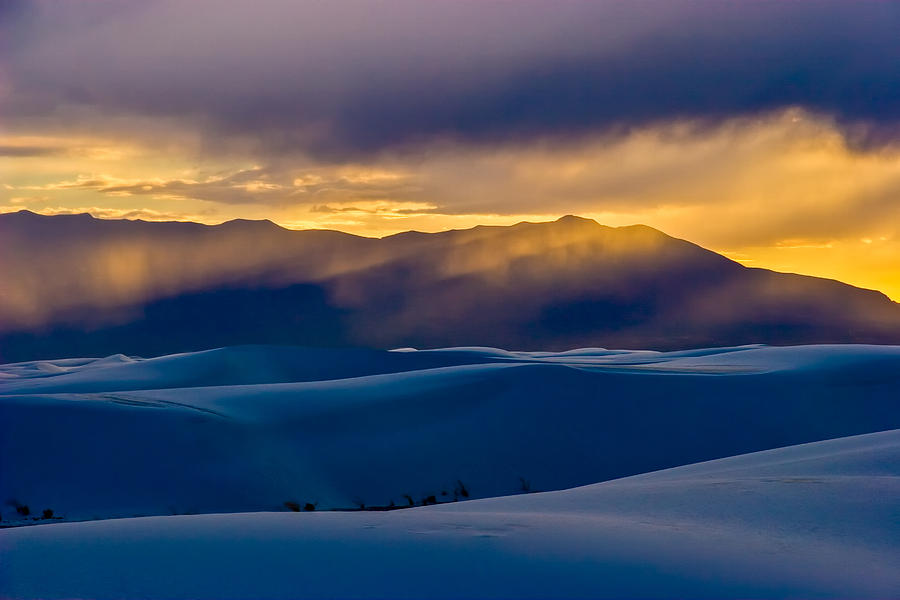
(75, 283)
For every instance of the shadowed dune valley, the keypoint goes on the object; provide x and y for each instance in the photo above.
(451, 300)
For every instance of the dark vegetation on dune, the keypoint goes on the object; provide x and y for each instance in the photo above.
(78, 286)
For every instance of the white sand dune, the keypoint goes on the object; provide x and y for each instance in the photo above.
(280, 364)
(233, 440)
(810, 521)
(253, 428)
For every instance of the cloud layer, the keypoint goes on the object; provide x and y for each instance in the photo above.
(340, 79)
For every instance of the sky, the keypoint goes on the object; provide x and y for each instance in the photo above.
(768, 131)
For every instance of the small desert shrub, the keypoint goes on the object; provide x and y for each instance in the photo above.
(461, 489)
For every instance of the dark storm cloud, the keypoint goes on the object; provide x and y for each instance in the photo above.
(10, 9)
(345, 78)
(14, 15)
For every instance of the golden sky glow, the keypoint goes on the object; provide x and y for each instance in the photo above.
(784, 191)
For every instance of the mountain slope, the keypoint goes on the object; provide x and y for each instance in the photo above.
(78, 286)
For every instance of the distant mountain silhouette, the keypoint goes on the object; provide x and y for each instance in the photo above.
(73, 285)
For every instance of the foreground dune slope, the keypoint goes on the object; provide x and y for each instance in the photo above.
(814, 521)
